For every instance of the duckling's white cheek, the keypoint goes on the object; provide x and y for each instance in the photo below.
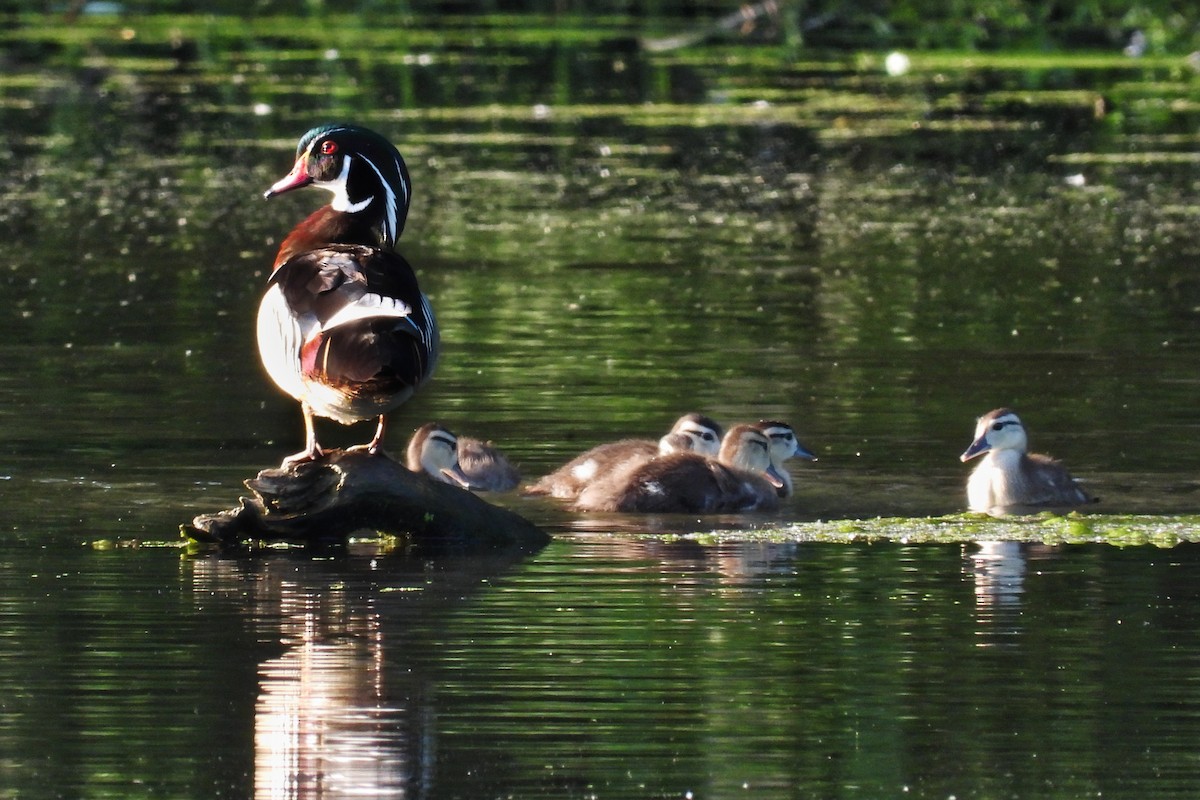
(655, 489)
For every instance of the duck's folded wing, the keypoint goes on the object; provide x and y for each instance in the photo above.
(373, 324)
(1054, 485)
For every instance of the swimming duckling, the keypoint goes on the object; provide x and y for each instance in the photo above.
(741, 478)
(691, 431)
(1010, 479)
(784, 445)
(485, 466)
(476, 464)
(434, 450)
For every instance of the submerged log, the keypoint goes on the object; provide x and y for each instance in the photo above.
(325, 501)
(744, 19)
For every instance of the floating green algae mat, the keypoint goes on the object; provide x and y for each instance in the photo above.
(1118, 530)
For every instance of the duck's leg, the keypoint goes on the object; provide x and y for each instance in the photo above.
(312, 451)
(376, 446)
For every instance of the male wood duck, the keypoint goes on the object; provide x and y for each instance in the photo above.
(1011, 480)
(784, 446)
(694, 432)
(741, 478)
(344, 327)
(433, 449)
(480, 464)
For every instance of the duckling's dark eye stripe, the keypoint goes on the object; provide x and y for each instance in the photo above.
(701, 433)
(444, 439)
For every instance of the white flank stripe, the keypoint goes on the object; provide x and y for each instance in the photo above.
(369, 306)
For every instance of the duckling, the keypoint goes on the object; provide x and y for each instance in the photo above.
(784, 445)
(485, 466)
(433, 449)
(694, 432)
(1009, 478)
(741, 478)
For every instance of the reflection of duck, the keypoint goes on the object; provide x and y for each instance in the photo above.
(784, 445)
(741, 478)
(433, 449)
(1009, 479)
(999, 571)
(343, 326)
(693, 431)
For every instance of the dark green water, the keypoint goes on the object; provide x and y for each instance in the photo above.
(610, 238)
(604, 667)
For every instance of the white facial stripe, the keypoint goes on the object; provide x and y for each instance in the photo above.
(391, 221)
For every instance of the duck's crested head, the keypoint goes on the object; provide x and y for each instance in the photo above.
(784, 443)
(747, 448)
(433, 449)
(999, 429)
(364, 171)
(703, 433)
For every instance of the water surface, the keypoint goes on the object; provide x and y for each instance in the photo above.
(611, 238)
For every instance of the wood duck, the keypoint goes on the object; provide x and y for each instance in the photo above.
(433, 449)
(784, 446)
(694, 432)
(344, 327)
(740, 478)
(1010, 479)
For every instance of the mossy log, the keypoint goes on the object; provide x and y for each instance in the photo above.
(325, 501)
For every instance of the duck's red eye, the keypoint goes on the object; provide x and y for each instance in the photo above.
(328, 147)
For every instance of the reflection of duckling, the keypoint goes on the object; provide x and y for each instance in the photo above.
(434, 450)
(694, 432)
(784, 445)
(741, 478)
(1009, 478)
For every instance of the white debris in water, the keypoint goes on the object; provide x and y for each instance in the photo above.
(896, 63)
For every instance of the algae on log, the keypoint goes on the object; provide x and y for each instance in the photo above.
(327, 500)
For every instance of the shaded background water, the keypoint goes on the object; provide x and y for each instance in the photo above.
(611, 237)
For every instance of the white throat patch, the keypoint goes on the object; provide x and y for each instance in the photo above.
(337, 186)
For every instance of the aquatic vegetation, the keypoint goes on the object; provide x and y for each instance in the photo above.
(1051, 529)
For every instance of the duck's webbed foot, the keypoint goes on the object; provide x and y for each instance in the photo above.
(306, 455)
(312, 451)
